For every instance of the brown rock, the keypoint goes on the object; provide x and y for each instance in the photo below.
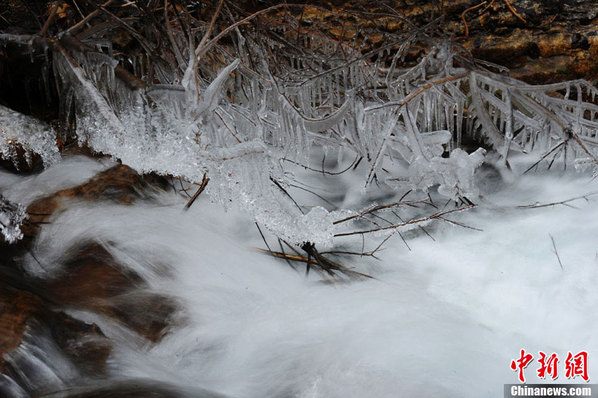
(90, 273)
(148, 314)
(22, 311)
(559, 34)
(120, 184)
(17, 309)
(518, 43)
(92, 279)
(83, 343)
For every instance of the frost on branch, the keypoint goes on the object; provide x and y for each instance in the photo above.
(11, 217)
(33, 136)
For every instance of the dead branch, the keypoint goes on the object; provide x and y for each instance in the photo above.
(380, 207)
(332, 268)
(416, 221)
(202, 186)
(73, 29)
(562, 202)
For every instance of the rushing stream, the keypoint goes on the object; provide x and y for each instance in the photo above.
(444, 317)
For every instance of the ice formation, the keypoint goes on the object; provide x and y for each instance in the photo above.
(239, 124)
(238, 127)
(33, 136)
(11, 217)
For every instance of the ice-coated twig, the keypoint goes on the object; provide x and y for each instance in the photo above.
(562, 202)
(423, 220)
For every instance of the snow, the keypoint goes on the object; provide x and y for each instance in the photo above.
(445, 318)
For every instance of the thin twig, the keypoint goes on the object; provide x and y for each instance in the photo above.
(202, 186)
(416, 221)
(377, 208)
(514, 12)
(418, 92)
(50, 19)
(562, 202)
(466, 11)
(206, 36)
(91, 15)
(556, 252)
(546, 155)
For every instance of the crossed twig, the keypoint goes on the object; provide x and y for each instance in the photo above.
(488, 6)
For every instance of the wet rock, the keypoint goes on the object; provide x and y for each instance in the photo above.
(90, 273)
(119, 184)
(148, 314)
(17, 309)
(92, 279)
(24, 314)
(84, 343)
(27, 312)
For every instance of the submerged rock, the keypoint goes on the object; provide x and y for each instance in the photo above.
(92, 279)
(88, 274)
(119, 184)
(149, 314)
(17, 309)
(30, 328)
(83, 343)
(34, 327)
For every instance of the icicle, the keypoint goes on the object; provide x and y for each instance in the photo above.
(31, 134)
(508, 125)
(211, 95)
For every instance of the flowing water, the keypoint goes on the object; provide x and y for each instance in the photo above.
(444, 317)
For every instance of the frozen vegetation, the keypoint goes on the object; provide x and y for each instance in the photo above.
(29, 135)
(249, 128)
(310, 144)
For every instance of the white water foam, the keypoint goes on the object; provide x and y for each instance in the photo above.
(445, 318)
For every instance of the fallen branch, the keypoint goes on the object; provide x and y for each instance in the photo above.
(325, 264)
(416, 221)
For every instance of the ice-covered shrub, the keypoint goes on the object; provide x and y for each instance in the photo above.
(250, 112)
